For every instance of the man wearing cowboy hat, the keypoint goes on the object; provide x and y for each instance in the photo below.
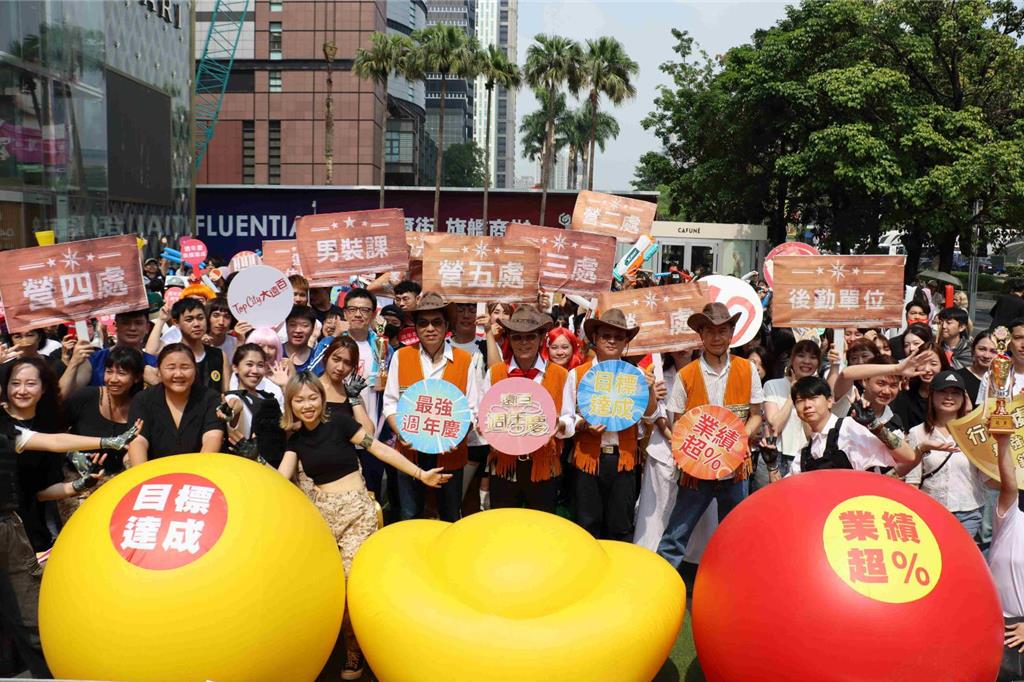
(604, 485)
(716, 378)
(532, 479)
(432, 358)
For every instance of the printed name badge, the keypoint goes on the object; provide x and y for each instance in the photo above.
(709, 442)
(613, 394)
(882, 549)
(433, 416)
(260, 295)
(168, 521)
(517, 416)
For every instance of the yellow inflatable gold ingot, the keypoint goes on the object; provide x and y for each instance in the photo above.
(511, 594)
(256, 592)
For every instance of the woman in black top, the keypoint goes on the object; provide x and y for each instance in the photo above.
(983, 352)
(911, 405)
(254, 421)
(180, 415)
(103, 410)
(325, 447)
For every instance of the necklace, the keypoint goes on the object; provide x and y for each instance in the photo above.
(111, 415)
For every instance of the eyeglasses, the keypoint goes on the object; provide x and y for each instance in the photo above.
(435, 322)
(358, 309)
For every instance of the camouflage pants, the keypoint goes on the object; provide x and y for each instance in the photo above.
(352, 516)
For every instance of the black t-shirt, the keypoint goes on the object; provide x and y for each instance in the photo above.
(84, 419)
(326, 452)
(8, 470)
(972, 382)
(164, 437)
(210, 370)
(910, 406)
(37, 471)
(340, 408)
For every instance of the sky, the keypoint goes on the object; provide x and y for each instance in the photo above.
(644, 29)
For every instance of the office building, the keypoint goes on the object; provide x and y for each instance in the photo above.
(497, 23)
(460, 92)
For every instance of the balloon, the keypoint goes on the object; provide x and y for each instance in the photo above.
(845, 575)
(195, 567)
(511, 594)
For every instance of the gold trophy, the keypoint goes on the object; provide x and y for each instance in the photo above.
(999, 384)
(382, 357)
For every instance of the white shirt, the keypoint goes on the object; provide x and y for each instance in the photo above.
(958, 486)
(370, 402)
(22, 438)
(1006, 560)
(474, 439)
(792, 437)
(714, 384)
(171, 334)
(861, 446)
(657, 447)
(432, 371)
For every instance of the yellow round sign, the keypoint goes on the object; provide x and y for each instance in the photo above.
(882, 549)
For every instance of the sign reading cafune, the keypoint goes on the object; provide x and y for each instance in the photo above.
(165, 9)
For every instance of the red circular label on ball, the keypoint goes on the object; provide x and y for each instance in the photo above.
(168, 521)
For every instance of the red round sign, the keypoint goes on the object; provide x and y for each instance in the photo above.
(785, 249)
(168, 521)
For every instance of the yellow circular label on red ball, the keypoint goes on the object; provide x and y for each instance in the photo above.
(168, 521)
(882, 549)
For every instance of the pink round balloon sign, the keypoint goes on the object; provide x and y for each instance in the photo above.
(517, 416)
(785, 249)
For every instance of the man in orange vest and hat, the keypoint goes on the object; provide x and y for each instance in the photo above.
(716, 378)
(531, 480)
(605, 482)
(432, 358)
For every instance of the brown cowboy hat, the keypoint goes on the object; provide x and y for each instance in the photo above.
(527, 319)
(713, 313)
(430, 300)
(610, 318)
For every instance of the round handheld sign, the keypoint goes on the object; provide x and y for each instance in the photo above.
(708, 442)
(517, 416)
(738, 297)
(785, 249)
(433, 416)
(260, 295)
(193, 252)
(613, 394)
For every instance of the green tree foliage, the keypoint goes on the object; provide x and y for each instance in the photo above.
(854, 118)
(464, 165)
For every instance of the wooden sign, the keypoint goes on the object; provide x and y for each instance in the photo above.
(473, 269)
(335, 246)
(709, 442)
(661, 314)
(283, 254)
(972, 437)
(571, 262)
(619, 217)
(46, 285)
(838, 291)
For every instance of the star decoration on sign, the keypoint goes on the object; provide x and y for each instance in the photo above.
(350, 222)
(481, 250)
(651, 300)
(90, 257)
(838, 271)
(821, 270)
(856, 271)
(560, 242)
(465, 249)
(51, 262)
(575, 244)
(497, 250)
(334, 225)
(70, 259)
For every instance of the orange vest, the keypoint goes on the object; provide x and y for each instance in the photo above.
(547, 462)
(737, 386)
(587, 452)
(457, 372)
(736, 399)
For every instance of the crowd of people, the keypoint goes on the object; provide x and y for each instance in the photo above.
(317, 399)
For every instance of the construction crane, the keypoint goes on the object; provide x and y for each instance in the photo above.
(214, 67)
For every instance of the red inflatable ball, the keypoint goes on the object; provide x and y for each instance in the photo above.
(845, 575)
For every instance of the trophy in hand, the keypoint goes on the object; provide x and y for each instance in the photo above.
(382, 358)
(1000, 381)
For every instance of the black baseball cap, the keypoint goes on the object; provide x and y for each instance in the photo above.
(948, 379)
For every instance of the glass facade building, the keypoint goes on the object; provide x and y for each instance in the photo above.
(95, 101)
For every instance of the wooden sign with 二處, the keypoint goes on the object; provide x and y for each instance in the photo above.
(661, 313)
(571, 262)
(619, 217)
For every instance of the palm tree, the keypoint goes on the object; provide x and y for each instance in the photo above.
(497, 69)
(605, 128)
(533, 130)
(447, 51)
(607, 70)
(551, 62)
(574, 126)
(389, 53)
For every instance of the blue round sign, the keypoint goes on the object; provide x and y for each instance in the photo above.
(613, 394)
(433, 416)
